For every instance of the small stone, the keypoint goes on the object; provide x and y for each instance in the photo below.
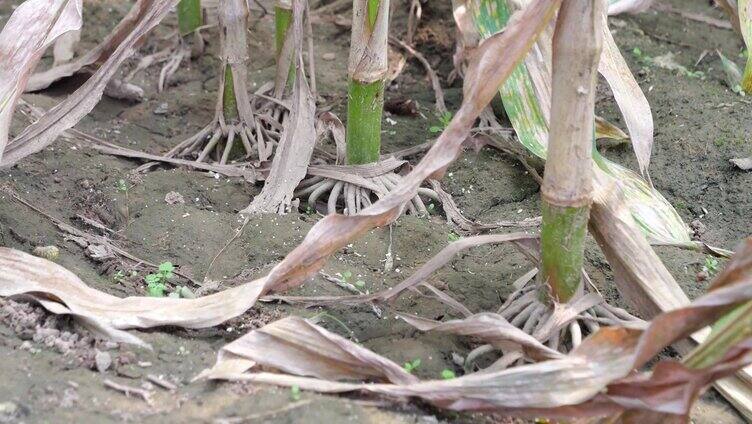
(173, 198)
(161, 109)
(103, 361)
(329, 56)
(47, 252)
(702, 276)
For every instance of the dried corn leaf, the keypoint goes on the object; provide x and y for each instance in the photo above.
(97, 55)
(60, 291)
(489, 328)
(71, 110)
(293, 154)
(297, 346)
(32, 27)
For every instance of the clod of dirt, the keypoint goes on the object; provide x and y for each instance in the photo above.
(173, 198)
(33, 323)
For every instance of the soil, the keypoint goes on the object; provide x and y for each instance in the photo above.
(700, 125)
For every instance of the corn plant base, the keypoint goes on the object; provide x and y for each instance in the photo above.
(253, 137)
(526, 311)
(350, 198)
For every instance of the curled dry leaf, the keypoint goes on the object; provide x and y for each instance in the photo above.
(298, 140)
(745, 164)
(489, 328)
(32, 27)
(43, 281)
(71, 110)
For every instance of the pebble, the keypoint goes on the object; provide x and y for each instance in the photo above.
(161, 109)
(103, 361)
(329, 56)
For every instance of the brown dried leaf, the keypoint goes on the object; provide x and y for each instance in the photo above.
(67, 113)
(297, 346)
(32, 27)
(62, 292)
(629, 97)
(490, 328)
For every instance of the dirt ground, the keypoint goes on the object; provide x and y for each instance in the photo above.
(700, 125)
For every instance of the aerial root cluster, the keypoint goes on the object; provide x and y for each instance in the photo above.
(350, 198)
(524, 310)
(259, 131)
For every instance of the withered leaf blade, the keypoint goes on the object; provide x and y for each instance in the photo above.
(66, 114)
(297, 346)
(61, 291)
(490, 328)
(33, 26)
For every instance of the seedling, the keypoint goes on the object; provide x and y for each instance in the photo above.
(155, 283)
(412, 365)
(448, 374)
(444, 120)
(295, 393)
(347, 275)
(710, 266)
(453, 236)
(360, 284)
(119, 276)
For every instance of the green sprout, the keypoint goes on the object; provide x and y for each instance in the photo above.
(155, 283)
(710, 266)
(412, 365)
(347, 275)
(295, 393)
(444, 120)
(118, 276)
(453, 236)
(360, 284)
(448, 374)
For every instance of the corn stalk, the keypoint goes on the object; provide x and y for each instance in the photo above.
(367, 71)
(567, 184)
(282, 20)
(745, 22)
(190, 16)
(525, 98)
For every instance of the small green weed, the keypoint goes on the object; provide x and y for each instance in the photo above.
(448, 374)
(710, 266)
(295, 393)
(444, 120)
(155, 283)
(453, 236)
(412, 365)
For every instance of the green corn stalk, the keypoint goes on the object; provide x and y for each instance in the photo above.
(190, 16)
(745, 22)
(282, 21)
(654, 214)
(367, 77)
